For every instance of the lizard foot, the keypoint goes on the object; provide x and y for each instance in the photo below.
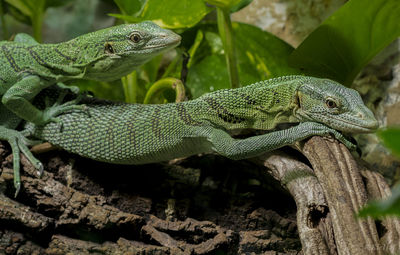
(19, 144)
(314, 128)
(51, 112)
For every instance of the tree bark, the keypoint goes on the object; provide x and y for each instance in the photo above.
(313, 218)
(200, 205)
(340, 177)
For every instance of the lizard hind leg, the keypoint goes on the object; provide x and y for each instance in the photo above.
(18, 144)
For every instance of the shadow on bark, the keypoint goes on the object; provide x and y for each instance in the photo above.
(204, 204)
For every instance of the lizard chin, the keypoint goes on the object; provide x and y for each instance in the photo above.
(341, 124)
(347, 125)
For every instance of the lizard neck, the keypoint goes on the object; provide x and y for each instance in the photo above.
(262, 105)
(74, 57)
(61, 54)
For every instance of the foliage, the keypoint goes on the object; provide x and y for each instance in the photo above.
(170, 14)
(391, 138)
(32, 12)
(390, 206)
(379, 209)
(344, 43)
(338, 48)
(260, 56)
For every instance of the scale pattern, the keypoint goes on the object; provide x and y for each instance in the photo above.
(136, 134)
(27, 67)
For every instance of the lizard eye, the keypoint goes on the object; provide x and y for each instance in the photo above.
(330, 103)
(108, 48)
(135, 37)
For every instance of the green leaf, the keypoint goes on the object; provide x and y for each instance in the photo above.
(345, 42)
(208, 75)
(391, 139)
(379, 209)
(22, 5)
(260, 56)
(240, 5)
(224, 4)
(150, 69)
(127, 18)
(130, 7)
(171, 14)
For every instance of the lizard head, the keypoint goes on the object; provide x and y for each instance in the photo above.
(333, 104)
(140, 41)
(113, 52)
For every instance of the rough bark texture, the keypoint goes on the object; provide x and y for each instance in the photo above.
(313, 220)
(204, 204)
(345, 191)
(200, 205)
(389, 227)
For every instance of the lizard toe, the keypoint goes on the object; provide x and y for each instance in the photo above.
(40, 169)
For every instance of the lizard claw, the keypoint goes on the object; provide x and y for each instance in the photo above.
(83, 108)
(315, 128)
(17, 186)
(40, 169)
(341, 138)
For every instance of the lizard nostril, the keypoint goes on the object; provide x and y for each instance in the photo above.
(360, 115)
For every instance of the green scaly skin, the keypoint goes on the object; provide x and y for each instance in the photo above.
(137, 134)
(27, 67)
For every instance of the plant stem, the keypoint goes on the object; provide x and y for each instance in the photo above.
(129, 83)
(37, 19)
(37, 29)
(161, 85)
(226, 33)
(3, 21)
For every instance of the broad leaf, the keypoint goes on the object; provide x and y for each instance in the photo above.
(379, 209)
(35, 11)
(171, 14)
(25, 6)
(241, 5)
(391, 139)
(225, 4)
(260, 56)
(130, 7)
(344, 43)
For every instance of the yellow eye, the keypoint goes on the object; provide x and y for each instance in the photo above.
(108, 48)
(135, 37)
(330, 103)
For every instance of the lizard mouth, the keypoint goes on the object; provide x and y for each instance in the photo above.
(168, 45)
(166, 41)
(157, 47)
(346, 125)
(353, 127)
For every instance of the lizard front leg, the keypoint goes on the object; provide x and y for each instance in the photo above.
(18, 97)
(18, 144)
(232, 148)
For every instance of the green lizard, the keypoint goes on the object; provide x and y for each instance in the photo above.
(137, 134)
(27, 67)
